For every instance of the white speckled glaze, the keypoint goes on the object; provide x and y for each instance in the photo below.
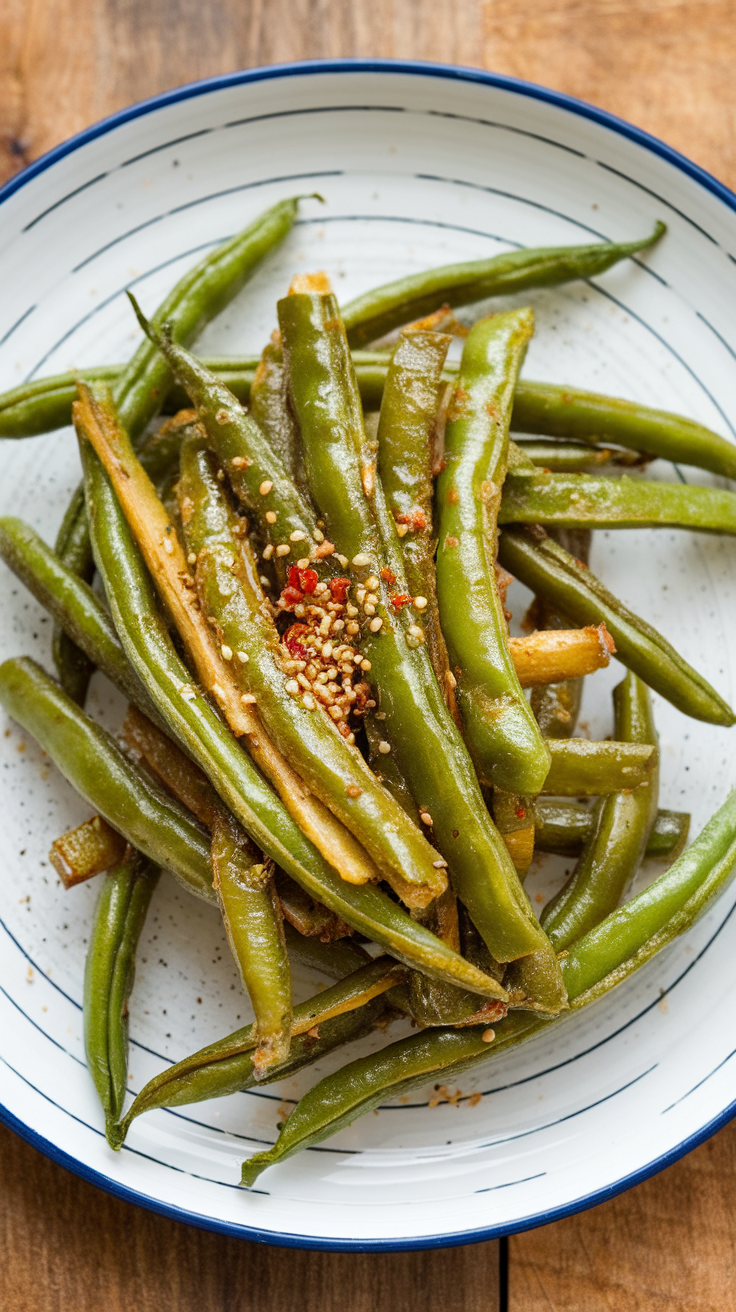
(417, 166)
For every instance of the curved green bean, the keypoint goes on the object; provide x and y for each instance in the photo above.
(377, 312)
(565, 827)
(570, 499)
(556, 576)
(122, 903)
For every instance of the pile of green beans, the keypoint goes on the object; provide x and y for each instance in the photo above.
(306, 608)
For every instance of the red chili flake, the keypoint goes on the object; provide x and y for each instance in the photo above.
(339, 589)
(520, 812)
(400, 599)
(388, 576)
(416, 520)
(304, 580)
(292, 640)
(290, 597)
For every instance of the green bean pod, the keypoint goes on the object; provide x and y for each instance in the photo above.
(270, 409)
(406, 438)
(122, 903)
(624, 821)
(335, 959)
(252, 918)
(570, 499)
(562, 457)
(584, 768)
(377, 312)
(565, 827)
(556, 706)
(150, 819)
(420, 730)
(73, 548)
(227, 1067)
(257, 474)
(502, 734)
(594, 965)
(199, 728)
(231, 596)
(567, 412)
(552, 573)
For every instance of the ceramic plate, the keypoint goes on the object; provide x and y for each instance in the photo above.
(418, 165)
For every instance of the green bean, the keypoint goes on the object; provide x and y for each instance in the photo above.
(73, 604)
(406, 437)
(252, 917)
(565, 411)
(557, 705)
(73, 548)
(623, 824)
(336, 959)
(599, 961)
(552, 573)
(584, 768)
(231, 596)
(377, 312)
(419, 727)
(150, 820)
(565, 828)
(562, 457)
(198, 727)
(570, 499)
(270, 410)
(339, 1014)
(502, 734)
(109, 972)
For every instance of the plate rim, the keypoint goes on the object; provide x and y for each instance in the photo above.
(583, 109)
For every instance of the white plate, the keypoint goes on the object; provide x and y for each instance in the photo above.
(418, 165)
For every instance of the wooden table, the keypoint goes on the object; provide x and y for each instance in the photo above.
(667, 65)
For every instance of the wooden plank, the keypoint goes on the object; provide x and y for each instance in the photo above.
(66, 1245)
(669, 1243)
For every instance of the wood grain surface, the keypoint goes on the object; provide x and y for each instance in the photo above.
(666, 65)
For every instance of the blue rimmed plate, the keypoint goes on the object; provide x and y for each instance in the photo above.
(418, 165)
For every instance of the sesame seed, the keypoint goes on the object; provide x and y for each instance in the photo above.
(318, 535)
(350, 739)
(335, 712)
(343, 560)
(338, 626)
(372, 582)
(243, 657)
(240, 462)
(308, 701)
(361, 560)
(283, 550)
(384, 747)
(440, 865)
(375, 624)
(192, 558)
(265, 582)
(353, 790)
(221, 475)
(372, 599)
(420, 602)
(271, 516)
(488, 1036)
(304, 681)
(325, 625)
(247, 699)
(268, 551)
(416, 631)
(351, 610)
(425, 817)
(265, 487)
(226, 652)
(413, 643)
(380, 715)
(361, 595)
(300, 611)
(297, 535)
(450, 679)
(352, 628)
(292, 686)
(303, 563)
(402, 530)
(327, 651)
(365, 666)
(357, 658)
(168, 546)
(369, 608)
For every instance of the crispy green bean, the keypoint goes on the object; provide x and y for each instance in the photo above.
(565, 827)
(502, 734)
(593, 965)
(198, 727)
(570, 499)
(553, 574)
(151, 820)
(377, 312)
(231, 596)
(122, 903)
(419, 727)
(623, 824)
